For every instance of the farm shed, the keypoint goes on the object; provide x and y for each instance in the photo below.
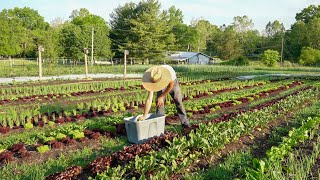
(190, 58)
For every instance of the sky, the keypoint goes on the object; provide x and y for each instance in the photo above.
(217, 12)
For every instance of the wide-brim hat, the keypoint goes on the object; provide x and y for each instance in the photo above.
(148, 82)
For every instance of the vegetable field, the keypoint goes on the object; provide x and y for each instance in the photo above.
(265, 128)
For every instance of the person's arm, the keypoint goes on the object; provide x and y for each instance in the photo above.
(147, 106)
(165, 92)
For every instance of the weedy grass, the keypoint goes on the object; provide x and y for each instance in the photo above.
(234, 164)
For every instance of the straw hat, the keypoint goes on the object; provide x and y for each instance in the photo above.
(156, 78)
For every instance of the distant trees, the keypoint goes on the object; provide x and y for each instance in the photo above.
(150, 32)
(305, 32)
(20, 31)
(143, 29)
(204, 31)
(184, 35)
(274, 31)
(227, 44)
(308, 13)
(88, 22)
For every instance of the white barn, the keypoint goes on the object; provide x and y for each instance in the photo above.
(190, 58)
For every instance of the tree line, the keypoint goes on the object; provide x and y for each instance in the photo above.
(150, 33)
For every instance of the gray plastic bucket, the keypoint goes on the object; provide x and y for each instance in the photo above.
(140, 131)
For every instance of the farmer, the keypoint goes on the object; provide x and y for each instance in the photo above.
(163, 80)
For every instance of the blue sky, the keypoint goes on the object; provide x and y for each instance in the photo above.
(218, 12)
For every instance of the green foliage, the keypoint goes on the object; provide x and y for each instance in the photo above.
(60, 136)
(71, 38)
(275, 31)
(28, 125)
(149, 33)
(227, 44)
(76, 134)
(46, 139)
(87, 22)
(20, 31)
(261, 168)
(308, 13)
(204, 30)
(109, 128)
(275, 28)
(184, 36)
(239, 61)
(309, 56)
(270, 57)
(43, 149)
(51, 123)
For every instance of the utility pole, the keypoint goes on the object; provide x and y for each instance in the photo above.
(282, 41)
(86, 52)
(126, 52)
(92, 35)
(40, 49)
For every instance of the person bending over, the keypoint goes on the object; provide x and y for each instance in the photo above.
(163, 80)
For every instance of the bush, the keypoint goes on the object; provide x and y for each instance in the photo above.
(309, 56)
(239, 61)
(270, 57)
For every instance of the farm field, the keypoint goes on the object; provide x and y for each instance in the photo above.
(29, 68)
(267, 127)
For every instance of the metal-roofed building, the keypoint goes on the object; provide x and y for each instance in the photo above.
(190, 58)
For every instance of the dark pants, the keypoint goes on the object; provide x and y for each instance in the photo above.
(177, 97)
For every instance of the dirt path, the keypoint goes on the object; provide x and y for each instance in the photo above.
(73, 76)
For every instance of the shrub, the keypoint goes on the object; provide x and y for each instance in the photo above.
(239, 61)
(43, 149)
(309, 56)
(270, 57)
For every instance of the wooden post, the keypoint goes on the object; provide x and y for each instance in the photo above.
(40, 49)
(10, 59)
(126, 52)
(92, 34)
(86, 51)
(281, 60)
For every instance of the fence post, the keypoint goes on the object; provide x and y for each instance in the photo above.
(86, 52)
(40, 49)
(126, 52)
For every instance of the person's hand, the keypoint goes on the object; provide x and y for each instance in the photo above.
(141, 118)
(160, 101)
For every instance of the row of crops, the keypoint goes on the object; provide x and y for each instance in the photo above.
(80, 134)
